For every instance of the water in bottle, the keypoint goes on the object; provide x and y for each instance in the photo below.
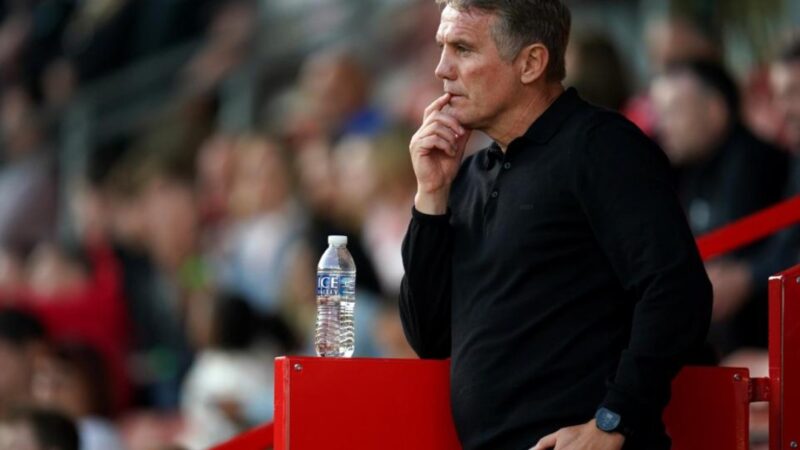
(336, 299)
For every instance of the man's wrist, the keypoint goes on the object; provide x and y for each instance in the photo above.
(611, 422)
(432, 203)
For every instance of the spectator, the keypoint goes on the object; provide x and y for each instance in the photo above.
(72, 378)
(724, 173)
(153, 216)
(78, 296)
(671, 39)
(230, 385)
(784, 250)
(329, 211)
(265, 226)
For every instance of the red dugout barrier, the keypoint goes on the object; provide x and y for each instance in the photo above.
(359, 403)
(784, 360)
(403, 404)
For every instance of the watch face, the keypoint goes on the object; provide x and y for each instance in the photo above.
(607, 420)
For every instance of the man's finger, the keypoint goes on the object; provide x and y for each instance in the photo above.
(440, 129)
(446, 134)
(433, 142)
(447, 120)
(437, 105)
(546, 442)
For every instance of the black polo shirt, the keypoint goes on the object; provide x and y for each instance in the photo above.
(564, 277)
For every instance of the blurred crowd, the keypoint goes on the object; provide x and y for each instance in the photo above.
(143, 299)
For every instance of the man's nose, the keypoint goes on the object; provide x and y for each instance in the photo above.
(444, 70)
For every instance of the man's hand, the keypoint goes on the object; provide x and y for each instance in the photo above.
(436, 152)
(581, 437)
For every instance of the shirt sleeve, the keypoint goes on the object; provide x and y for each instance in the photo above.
(624, 189)
(426, 287)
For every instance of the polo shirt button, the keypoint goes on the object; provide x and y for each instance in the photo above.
(507, 165)
(494, 194)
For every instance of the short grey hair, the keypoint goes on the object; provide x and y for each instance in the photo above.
(525, 22)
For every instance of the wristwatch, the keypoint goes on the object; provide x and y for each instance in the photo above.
(610, 422)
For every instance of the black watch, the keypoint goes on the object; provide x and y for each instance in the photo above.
(610, 422)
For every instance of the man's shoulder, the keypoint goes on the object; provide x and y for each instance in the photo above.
(603, 134)
(592, 119)
(596, 124)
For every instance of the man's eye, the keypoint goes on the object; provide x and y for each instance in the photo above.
(461, 49)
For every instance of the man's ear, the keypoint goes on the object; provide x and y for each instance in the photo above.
(533, 60)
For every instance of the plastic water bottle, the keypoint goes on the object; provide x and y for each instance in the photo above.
(336, 300)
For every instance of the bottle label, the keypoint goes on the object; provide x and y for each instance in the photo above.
(329, 285)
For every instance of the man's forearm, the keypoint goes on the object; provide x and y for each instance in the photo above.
(426, 288)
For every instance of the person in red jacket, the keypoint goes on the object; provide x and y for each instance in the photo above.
(80, 300)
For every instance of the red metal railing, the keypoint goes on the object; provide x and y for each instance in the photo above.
(784, 360)
(307, 407)
(749, 229)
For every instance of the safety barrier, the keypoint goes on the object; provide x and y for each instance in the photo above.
(784, 360)
(394, 404)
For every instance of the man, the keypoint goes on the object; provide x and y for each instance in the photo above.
(724, 173)
(671, 38)
(555, 268)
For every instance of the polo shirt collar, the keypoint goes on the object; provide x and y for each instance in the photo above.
(544, 127)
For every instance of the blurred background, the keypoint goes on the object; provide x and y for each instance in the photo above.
(170, 169)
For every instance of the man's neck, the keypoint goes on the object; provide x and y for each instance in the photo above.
(517, 119)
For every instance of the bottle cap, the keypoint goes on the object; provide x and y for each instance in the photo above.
(337, 240)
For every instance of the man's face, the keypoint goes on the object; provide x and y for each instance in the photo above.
(688, 122)
(481, 83)
(786, 87)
